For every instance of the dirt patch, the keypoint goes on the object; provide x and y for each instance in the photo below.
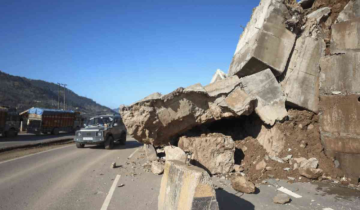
(302, 140)
(298, 136)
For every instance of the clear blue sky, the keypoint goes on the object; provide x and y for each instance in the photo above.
(119, 51)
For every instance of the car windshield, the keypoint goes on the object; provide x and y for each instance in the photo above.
(99, 121)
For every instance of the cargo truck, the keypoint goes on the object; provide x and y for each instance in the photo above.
(9, 122)
(52, 121)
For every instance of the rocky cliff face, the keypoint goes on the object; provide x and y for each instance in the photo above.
(291, 55)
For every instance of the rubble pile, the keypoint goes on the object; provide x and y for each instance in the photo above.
(299, 144)
(288, 107)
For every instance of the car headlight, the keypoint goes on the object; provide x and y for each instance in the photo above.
(79, 134)
(98, 134)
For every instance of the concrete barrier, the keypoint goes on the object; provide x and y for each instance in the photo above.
(185, 187)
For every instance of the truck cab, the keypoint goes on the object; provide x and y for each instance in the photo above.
(9, 122)
(103, 130)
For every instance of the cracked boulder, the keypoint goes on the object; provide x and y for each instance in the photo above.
(340, 73)
(213, 152)
(265, 42)
(186, 187)
(158, 120)
(350, 11)
(301, 82)
(345, 37)
(271, 100)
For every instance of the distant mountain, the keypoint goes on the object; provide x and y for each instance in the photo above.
(23, 93)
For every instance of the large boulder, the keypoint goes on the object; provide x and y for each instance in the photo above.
(301, 82)
(157, 121)
(350, 11)
(340, 73)
(271, 100)
(265, 42)
(186, 187)
(345, 37)
(214, 152)
(340, 130)
(339, 91)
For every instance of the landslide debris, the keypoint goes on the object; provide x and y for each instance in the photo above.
(274, 104)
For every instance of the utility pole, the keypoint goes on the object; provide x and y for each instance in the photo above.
(64, 95)
(59, 95)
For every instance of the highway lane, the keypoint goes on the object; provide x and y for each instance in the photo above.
(25, 138)
(71, 178)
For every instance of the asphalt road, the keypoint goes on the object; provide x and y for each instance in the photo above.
(24, 138)
(71, 178)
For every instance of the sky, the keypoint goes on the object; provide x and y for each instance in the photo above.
(120, 51)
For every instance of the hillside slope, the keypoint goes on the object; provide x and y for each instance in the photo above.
(23, 93)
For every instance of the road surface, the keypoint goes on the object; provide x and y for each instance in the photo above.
(24, 138)
(71, 178)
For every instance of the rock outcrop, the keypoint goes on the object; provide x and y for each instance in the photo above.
(265, 42)
(291, 55)
(156, 121)
(301, 83)
(214, 152)
(340, 91)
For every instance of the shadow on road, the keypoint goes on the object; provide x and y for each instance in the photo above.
(228, 201)
(130, 144)
(24, 137)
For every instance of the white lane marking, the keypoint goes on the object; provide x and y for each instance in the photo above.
(110, 194)
(6, 161)
(284, 190)
(132, 154)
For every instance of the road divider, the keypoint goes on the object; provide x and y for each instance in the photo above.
(132, 154)
(110, 194)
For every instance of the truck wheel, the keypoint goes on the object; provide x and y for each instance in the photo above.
(56, 131)
(11, 133)
(80, 145)
(123, 139)
(109, 143)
